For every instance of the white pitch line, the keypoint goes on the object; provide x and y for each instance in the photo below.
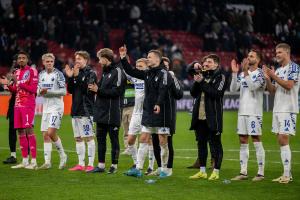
(182, 157)
(237, 160)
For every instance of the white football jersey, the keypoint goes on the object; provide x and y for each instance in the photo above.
(251, 92)
(139, 89)
(55, 83)
(287, 100)
(139, 93)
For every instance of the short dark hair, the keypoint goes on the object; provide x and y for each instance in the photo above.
(23, 53)
(106, 53)
(215, 58)
(156, 52)
(83, 54)
(166, 59)
(258, 54)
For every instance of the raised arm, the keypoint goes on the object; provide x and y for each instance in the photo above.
(235, 84)
(140, 74)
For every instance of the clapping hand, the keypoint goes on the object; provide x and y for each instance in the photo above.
(234, 66)
(93, 87)
(69, 71)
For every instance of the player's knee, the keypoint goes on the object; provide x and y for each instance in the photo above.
(243, 139)
(78, 139)
(21, 132)
(51, 131)
(144, 138)
(89, 138)
(47, 138)
(131, 140)
(163, 139)
(255, 138)
(29, 131)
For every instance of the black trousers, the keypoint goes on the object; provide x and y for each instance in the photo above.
(156, 148)
(12, 134)
(205, 135)
(113, 131)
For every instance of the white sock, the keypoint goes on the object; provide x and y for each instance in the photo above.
(216, 171)
(164, 156)
(33, 161)
(59, 147)
(101, 165)
(47, 152)
(25, 161)
(170, 171)
(159, 169)
(133, 151)
(151, 157)
(80, 149)
(286, 157)
(13, 154)
(244, 156)
(91, 151)
(203, 169)
(115, 166)
(143, 149)
(260, 156)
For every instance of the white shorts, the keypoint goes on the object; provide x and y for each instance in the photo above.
(284, 123)
(135, 126)
(82, 127)
(51, 120)
(157, 130)
(249, 125)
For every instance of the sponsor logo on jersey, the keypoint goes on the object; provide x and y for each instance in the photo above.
(47, 85)
(139, 85)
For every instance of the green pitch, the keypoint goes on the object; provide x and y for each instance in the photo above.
(56, 184)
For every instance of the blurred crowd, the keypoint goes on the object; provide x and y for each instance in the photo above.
(82, 24)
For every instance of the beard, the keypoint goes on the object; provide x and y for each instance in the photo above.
(105, 67)
(252, 63)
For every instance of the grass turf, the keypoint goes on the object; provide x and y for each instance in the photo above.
(57, 184)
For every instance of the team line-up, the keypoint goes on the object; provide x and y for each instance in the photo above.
(153, 114)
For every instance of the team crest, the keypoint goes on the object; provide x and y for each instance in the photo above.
(26, 75)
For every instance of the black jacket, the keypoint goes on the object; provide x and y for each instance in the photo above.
(11, 105)
(176, 93)
(82, 98)
(157, 85)
(214, 89)
(110, 95)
